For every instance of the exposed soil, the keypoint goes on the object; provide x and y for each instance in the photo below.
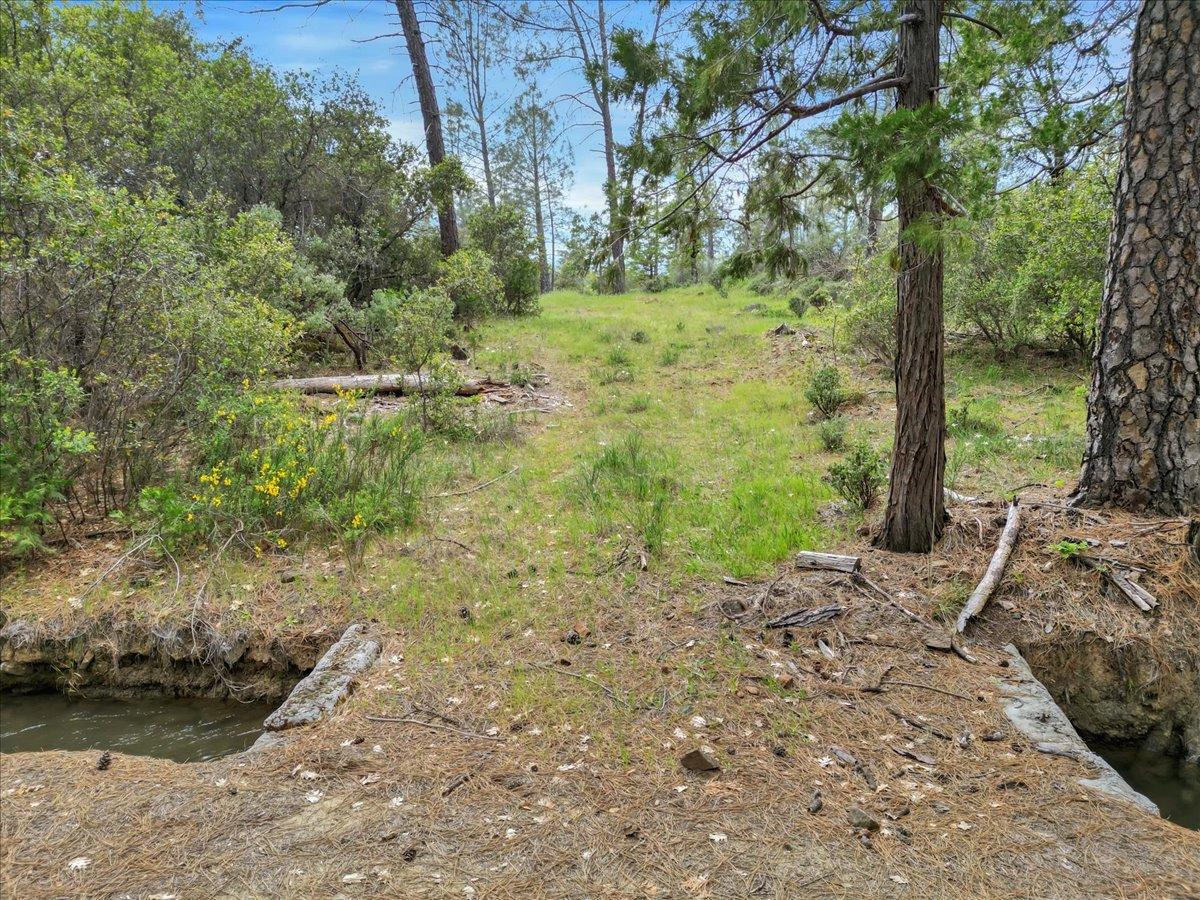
(117, 657)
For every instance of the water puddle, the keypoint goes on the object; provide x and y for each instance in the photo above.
(1170, 781)
(185, 730)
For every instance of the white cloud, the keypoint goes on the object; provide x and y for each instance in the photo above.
(588, 196)
(407, 131)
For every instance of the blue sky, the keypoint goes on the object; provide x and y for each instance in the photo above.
(337, 36)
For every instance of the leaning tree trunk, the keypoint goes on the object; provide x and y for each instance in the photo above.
(916, 509)
(434, 143)
(1143, 428)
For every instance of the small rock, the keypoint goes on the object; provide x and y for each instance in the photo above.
(752, 690)
(815, 804)
(860, 818)
(936, 641)
(700, 761)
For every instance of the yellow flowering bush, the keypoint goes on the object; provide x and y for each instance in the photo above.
(268, 468)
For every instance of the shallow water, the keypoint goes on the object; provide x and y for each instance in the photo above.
(1169, 781)
(185, 730)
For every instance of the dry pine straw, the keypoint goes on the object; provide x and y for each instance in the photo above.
(576, 794)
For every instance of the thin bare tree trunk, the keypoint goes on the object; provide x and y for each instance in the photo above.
(1143, 427)
(916, 510)
(539, 226)
(430, 115)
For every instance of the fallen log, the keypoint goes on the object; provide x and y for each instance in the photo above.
(847, 564)
(1134, 592)
(403, 383)
(995, 570)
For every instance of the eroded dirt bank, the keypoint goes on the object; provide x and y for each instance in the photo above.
(119, 657)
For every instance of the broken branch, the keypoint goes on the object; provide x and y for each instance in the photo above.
(995, 570)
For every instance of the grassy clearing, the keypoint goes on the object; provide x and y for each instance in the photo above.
(689, 452)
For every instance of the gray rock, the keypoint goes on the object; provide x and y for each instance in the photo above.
(860, 818)
(700, 761)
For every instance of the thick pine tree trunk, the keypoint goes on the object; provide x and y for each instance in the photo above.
(916, 509)
(1143, 429)
(430, 116)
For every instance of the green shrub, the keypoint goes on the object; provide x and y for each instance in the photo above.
(469, 281)
(41, 453)
(860, 476)
(798, 306)
(419, 333)
(762, 285)
(503, 233)
(521, 287)
(832, 433)
(1035, 270)
(669, 355)
(267, 469)
(151, 305)
(825, 391)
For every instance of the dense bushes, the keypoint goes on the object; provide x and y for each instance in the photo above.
(469, 280)
(144, 304)
(1029, 274)
(179, 223)
(40, 452)
(1036, 269)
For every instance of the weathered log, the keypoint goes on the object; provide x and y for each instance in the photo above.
(995, 570)
(847, 564)
(1134, 592)
(331, 681)
(394, 383)
(962, 498)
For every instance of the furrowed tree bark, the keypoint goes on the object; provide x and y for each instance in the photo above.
(916, 509)
(430, 115)
(1142, 446)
